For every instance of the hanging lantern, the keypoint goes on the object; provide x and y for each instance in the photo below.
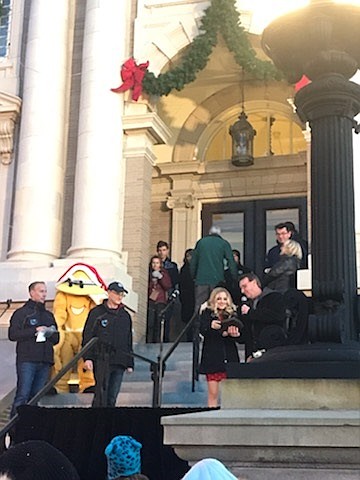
(242, 134)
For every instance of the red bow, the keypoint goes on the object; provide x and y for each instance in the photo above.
(132, 76)
(302, 83)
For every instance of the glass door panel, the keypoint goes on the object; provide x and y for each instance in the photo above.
(232, 229)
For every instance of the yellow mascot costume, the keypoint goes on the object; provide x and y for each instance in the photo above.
(79, 289)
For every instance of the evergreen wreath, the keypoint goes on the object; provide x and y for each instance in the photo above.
(222, 18)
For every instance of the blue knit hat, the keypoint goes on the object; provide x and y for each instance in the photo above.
(123, 457)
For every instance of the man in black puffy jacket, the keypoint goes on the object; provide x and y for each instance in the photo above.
(35, 331)
(109, 358)
(264, 316)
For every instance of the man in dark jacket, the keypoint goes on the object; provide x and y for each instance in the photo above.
(109, 358)
(207, 266)
(34, 329)
(284, 232)
(163, 251)
(264, 316)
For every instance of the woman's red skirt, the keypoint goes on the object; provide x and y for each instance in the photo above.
(216, 377)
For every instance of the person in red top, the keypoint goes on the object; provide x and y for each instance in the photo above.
(159, 284)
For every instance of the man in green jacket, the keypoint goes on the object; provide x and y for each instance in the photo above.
(212, 254)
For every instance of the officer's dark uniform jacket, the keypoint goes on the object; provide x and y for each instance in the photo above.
(113, 327)
(22, 330)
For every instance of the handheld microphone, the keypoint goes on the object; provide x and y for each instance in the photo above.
(244, 301)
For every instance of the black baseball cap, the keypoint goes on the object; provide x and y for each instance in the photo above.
(117, 287)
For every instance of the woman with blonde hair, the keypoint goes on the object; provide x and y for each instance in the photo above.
(220, 328)
(279, 277)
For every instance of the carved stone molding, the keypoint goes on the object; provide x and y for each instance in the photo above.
(9, 114)
(180, 200)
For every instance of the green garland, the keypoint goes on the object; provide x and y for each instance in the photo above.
(221, 17)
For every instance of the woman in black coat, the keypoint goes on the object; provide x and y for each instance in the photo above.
(220, 329)
(281, 275)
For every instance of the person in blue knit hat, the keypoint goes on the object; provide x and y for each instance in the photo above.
(123, 459)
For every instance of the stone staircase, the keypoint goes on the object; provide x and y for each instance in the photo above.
(137, 388)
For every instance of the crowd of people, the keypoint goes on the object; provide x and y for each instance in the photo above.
(39, 460)
(213, 286)
(225, 301)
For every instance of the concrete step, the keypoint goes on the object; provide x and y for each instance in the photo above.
(178, 395)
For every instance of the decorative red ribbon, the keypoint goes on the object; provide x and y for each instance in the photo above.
(132, 76)
(302, 83)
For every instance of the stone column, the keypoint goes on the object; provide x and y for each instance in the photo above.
(38, 206)
(143, 129)
(99, 178)
(184, 219)
(330, 104)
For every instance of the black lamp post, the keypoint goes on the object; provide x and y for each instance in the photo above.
(322, 41)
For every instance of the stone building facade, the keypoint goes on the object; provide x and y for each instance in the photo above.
(90, 175)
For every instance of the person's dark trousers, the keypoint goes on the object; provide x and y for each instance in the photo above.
(168, 319)
(31, 378)
(108, 383)
(202, 293)
(116, 374)
(153, 321)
